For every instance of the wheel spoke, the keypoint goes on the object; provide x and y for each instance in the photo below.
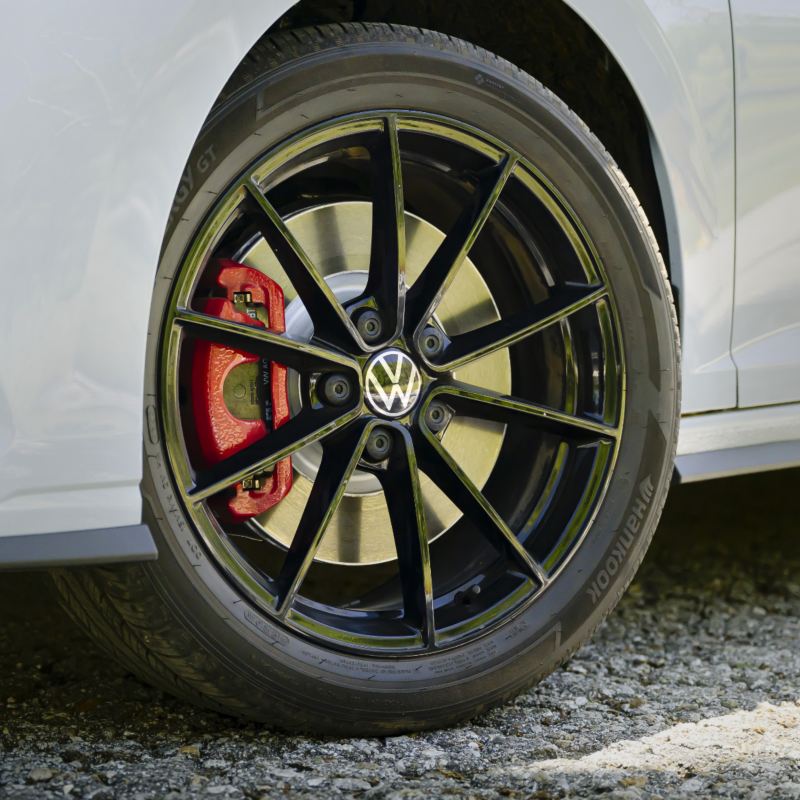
(440, 467)
(340, 455)
(430, 286)
(308, 426)
(331, 323)
(467, 347)
(386, 281)
(401, 488)
(300, 356)
(474, 401)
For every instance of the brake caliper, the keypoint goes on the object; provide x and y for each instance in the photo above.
(239, 397)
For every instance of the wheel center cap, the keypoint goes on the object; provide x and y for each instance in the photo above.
(392, 383)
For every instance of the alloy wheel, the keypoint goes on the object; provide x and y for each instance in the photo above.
(454, 383)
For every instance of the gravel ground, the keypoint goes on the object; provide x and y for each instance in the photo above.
(691, 688)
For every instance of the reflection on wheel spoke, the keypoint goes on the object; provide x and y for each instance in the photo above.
(340, 455)
(468, 347)
(400, 481)
(386, 282)
(473, 401)
(304, 429)
(437, 464)
(334, 325)
(425, 294)
(301, 356)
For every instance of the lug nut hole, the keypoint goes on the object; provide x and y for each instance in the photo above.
(431, 342)
(379, 445)
(369, 325)
(337, 389)
(437, 416)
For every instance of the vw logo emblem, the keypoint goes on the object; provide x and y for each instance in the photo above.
(392, 384)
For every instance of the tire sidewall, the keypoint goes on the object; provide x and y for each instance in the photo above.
(354, 77)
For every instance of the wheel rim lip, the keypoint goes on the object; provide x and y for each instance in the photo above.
(189, 271)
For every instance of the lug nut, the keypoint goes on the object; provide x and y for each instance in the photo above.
(369, 325)
(337, 389)
(431, 342)
(437, 416)
(379, 444)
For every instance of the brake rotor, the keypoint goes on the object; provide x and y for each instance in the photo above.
(336, 238)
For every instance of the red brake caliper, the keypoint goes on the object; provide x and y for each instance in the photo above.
(220, 432)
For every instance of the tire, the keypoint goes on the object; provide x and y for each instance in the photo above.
(184, 622)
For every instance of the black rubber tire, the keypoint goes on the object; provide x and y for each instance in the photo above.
(179, 623)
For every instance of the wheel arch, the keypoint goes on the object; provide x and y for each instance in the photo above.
(666, 76)
(569, 58)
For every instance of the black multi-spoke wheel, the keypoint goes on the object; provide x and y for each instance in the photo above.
(412, 388)
(524, 358)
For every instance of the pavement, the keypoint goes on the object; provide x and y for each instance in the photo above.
(690, 689)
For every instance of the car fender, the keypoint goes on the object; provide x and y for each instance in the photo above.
(678, 58)
(100, 106)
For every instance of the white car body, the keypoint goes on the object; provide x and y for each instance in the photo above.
(100, 104)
